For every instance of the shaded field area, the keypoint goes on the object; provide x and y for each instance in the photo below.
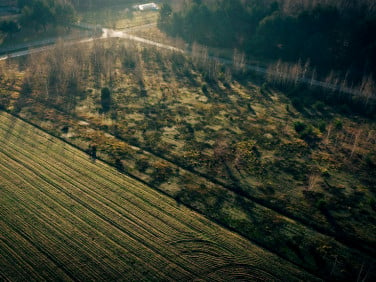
(66, 217)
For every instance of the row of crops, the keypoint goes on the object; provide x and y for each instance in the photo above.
(67, 217)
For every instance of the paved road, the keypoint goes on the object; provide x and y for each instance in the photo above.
(33, 50)
(43, 45)
(111, 33)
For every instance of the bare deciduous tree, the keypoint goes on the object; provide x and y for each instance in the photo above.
(312, 181)
(356, 142)
(329, 131)
(367, 89)
(238, 61)
(200, 55)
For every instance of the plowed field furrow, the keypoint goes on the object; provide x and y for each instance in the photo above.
(41, 250)
(92, 177)
(24, 154)
(105, 189)
(72, 219)
(105, 213)
(242, 273)
(61, 231)
(56, 245)
(21, 266)
(31, 262)
(92, 195)
(89, 230)
(141, 241)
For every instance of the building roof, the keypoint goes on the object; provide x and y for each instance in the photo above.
(148, 6)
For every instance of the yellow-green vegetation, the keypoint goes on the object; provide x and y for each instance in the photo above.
(119, 17)
(297, 180)
(66, 217)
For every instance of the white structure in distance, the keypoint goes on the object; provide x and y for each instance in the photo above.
(146, 7)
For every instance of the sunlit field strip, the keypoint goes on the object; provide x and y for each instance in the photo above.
(217, 246)
(114, 209)
(57, 244)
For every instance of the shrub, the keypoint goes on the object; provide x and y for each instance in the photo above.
(370, 160)
(227, 85)
(299, 126)
(264, 88)
(119, 165)
(297, 103)
(319, 106)
(162, 171)
(306, 132)
(105, 99)
(322, 126)
(345, 109)
(204, 89)
(321, 204)
(338, 124)
(372, 203)
(4, 101)
(143, 92)
(129, 63)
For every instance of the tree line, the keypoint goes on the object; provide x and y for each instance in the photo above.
(39, 14)
(330, 34)
(94, 4)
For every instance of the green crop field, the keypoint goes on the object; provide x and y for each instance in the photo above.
(67, 217)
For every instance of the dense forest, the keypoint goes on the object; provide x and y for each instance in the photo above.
(40, 14)
(330, 34)
(88, 4)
